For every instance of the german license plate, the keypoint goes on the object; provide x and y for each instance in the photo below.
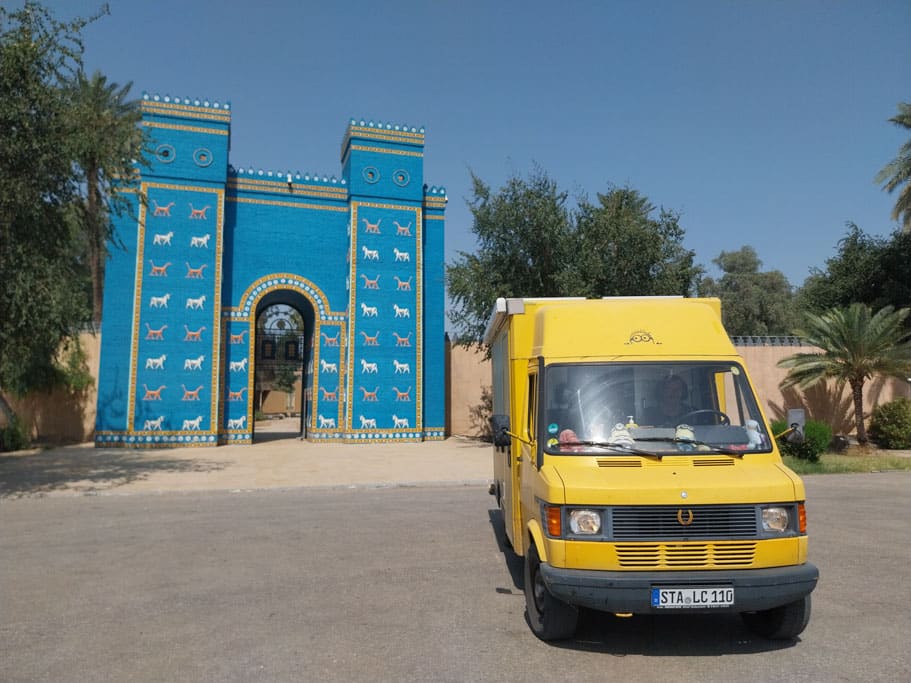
(690, 597)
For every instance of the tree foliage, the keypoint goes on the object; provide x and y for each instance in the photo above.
(855, 346)
(871, 270)
(64, 139)
(107, 144)
(897, 173)
(523, 233)
(532, 244)
(752, 302)
(618, 248)
(38, 247)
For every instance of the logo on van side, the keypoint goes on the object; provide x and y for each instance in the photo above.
(641, 337)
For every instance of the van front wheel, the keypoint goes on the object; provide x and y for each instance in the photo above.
(549, 618)
(780, 623)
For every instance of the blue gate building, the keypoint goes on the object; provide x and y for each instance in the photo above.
(209, 246)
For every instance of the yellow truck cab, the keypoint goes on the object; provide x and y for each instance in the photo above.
(635, 469)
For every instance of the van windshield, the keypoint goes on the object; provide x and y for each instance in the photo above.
(656, 407)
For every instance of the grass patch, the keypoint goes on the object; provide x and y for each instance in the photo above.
(853, 461)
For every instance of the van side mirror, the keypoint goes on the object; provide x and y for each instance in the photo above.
(499, 427)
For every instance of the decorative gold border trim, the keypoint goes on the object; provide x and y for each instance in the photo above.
(293, 205)
(222, 399)
(380, 135)
(124, 443)
(316, 345)
(347, 439)
(186, 110)
(248, 294)
(189, 129)
(386, 150)
(418, 316)
(252, 186)
(282, 184)
(216, 303)
(369, 131)
(340, 399)
(298, 191)
(137, 308)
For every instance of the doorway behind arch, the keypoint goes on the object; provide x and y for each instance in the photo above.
(282, 366)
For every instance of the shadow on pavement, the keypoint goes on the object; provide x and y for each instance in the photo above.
(514, 563)
(265, 437)
(84, 470)
(277, 429)
(673, 635)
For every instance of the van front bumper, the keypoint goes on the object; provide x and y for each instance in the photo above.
(754, 589)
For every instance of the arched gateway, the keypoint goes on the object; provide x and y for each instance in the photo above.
(360, 256)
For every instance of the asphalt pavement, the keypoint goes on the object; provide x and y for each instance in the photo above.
(401, 584)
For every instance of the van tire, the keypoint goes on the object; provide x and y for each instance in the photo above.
(780, 623)
(549, 618)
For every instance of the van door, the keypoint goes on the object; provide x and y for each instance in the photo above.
(506, 398)
(525, 467)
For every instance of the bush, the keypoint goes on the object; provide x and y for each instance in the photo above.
(819, 434)
(890, 425)
(817, 437)
(14, 437)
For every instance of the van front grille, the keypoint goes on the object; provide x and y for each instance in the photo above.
(685, 555)
(670, 522)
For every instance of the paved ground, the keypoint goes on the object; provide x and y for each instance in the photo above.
(278, 461)
(401, 584)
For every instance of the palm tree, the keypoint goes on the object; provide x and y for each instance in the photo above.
(898, 171)
(856, 345)
(108, 140)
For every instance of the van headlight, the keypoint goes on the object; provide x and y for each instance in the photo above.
(585, 522)
(775, 518)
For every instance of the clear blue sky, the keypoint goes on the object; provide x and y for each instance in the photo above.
(762, 122)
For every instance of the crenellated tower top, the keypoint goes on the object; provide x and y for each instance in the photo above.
(383, 132)
(185, 107)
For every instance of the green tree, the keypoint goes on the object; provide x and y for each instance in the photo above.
(855, 345)
(618, 248)
(753, 302)
(39, 307)
(107, 144)
(523, 233)
(871, 270)
(897, 173)
(531, 244)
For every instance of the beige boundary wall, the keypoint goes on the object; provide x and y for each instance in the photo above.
(62, 417)
(469, 391)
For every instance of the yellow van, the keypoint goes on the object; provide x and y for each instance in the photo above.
(635, 469)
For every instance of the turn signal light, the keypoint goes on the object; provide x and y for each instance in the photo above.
(802, 517)
(554, 515)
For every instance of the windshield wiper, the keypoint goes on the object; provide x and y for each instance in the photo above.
(623, 448)
(692, 442)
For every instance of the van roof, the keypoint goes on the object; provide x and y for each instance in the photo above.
(614, 326)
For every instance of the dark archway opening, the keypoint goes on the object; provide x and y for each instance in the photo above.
(282, 366)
